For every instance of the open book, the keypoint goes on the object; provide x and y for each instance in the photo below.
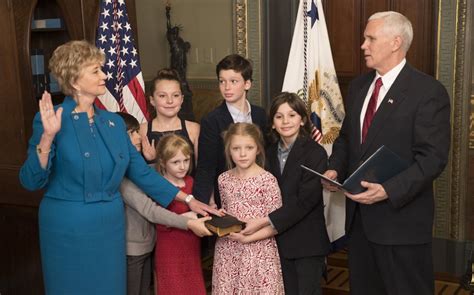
(378, 168)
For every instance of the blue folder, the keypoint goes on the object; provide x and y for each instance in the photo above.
(378, 168)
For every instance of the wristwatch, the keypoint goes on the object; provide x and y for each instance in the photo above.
(188, 199)
(39, 150)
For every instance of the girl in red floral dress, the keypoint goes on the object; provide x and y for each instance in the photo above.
(247, 264)
(178, 252)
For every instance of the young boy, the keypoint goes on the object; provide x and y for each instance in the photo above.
(234, 74)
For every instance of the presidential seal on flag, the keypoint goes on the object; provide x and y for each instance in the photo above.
(325, 102)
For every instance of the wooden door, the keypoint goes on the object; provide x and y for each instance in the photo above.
(346, 20)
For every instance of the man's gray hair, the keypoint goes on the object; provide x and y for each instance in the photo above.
(396, 24)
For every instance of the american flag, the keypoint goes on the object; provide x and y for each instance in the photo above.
(125, 85)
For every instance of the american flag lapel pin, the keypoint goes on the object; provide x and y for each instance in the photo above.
(111, 124)
(390, 101)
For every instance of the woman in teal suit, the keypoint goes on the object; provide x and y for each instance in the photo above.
(79, 155)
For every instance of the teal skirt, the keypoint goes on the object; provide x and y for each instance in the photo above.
(83, 247)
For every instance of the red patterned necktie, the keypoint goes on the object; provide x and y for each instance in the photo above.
(371, 108)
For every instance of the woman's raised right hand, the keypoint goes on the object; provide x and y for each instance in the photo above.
(51, 119)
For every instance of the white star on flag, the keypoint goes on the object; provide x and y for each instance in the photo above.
(104, 27)
(112, 51)
(102, 39)
(126, 39)
(110, 63)
(105, 13)
(113, 38)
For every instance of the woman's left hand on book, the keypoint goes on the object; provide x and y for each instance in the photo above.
(203, 209)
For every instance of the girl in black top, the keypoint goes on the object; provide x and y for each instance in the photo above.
(166, 98)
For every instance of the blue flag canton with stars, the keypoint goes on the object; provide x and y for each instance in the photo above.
(313, 13)
(115, 40)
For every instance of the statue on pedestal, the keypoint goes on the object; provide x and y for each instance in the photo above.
(178, 50)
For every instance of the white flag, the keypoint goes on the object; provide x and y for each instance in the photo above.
(310, 73)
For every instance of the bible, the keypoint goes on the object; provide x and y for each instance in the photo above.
(378, 168)
(222, 226)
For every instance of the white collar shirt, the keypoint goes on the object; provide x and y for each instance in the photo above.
(238, 116)
(387, 80)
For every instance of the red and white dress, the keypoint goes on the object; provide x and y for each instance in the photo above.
(252, 268)
(178, 255)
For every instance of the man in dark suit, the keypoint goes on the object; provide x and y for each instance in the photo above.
(390, 224)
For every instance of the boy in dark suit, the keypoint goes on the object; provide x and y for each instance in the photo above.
(234, 74)
(390, 225)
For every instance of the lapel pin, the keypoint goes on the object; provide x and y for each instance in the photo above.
(390, 101)
(111, 124)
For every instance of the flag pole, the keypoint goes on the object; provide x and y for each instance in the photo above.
(305, 44)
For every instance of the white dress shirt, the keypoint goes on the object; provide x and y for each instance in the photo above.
(238, 116)
(387, 81)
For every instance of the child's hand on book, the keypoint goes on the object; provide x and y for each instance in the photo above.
(190, 214)
(239, 237)
(254, 225)
(198, 227)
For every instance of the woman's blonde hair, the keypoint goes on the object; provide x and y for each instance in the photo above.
(69, 59)
(244, 129)
(168, 146)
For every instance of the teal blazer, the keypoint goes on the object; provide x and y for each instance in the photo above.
(73, 171)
